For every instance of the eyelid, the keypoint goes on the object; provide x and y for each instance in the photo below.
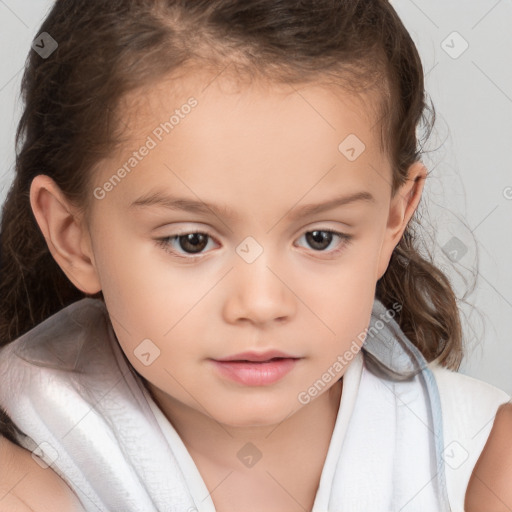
(344, 240)
(162, 241)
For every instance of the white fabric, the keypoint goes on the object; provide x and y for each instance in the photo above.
(374, 445)
(68, 386)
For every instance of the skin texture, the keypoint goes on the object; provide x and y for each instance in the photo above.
(490, 487)
(26, 486)
(263, 150)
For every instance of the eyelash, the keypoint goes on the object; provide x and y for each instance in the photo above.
(164, 243)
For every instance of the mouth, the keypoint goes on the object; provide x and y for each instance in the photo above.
(256, 362)
(255, 373)
(258, 357)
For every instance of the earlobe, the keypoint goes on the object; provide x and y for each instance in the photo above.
(403, 205)
(67, 239)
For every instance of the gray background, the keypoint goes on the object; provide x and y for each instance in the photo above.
(467, 203)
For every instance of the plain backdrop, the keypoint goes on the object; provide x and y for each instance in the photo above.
(466, 48)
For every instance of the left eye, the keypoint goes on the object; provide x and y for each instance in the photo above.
(194, 243)
(320, 239)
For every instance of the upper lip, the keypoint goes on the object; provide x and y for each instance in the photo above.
(257, 356)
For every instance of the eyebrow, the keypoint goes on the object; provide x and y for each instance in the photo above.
(190, 205)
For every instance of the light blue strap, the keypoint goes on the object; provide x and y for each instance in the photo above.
(391, 355)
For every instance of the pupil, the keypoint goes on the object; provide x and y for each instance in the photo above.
(319, 237)
(194, 241)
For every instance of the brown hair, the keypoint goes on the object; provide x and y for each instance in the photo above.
(107, 49)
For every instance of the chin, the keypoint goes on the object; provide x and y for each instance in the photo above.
(255, 416)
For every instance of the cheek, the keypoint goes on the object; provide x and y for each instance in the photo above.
(136, 275)
(338, 291)
(149, 299)
(340, 301)
(146, 272)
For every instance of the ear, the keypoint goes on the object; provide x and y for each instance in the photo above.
(65, 233)
(401, 209)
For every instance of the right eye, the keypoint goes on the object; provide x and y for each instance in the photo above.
(191, 243)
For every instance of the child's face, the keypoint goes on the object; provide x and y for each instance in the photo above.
(259, 280)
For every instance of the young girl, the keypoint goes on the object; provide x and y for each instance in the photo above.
(212, 297)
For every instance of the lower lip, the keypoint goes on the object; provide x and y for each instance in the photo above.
(255, 374)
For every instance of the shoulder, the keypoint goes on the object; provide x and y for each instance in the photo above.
(463, 387)
(468, 407)
(489, 486)
(26, 486)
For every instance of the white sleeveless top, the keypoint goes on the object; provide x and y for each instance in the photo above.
(397, 445)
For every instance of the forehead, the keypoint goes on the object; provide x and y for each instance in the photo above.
(225, 88)
(243, 137)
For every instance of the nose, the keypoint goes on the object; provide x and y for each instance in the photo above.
(258, 293)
